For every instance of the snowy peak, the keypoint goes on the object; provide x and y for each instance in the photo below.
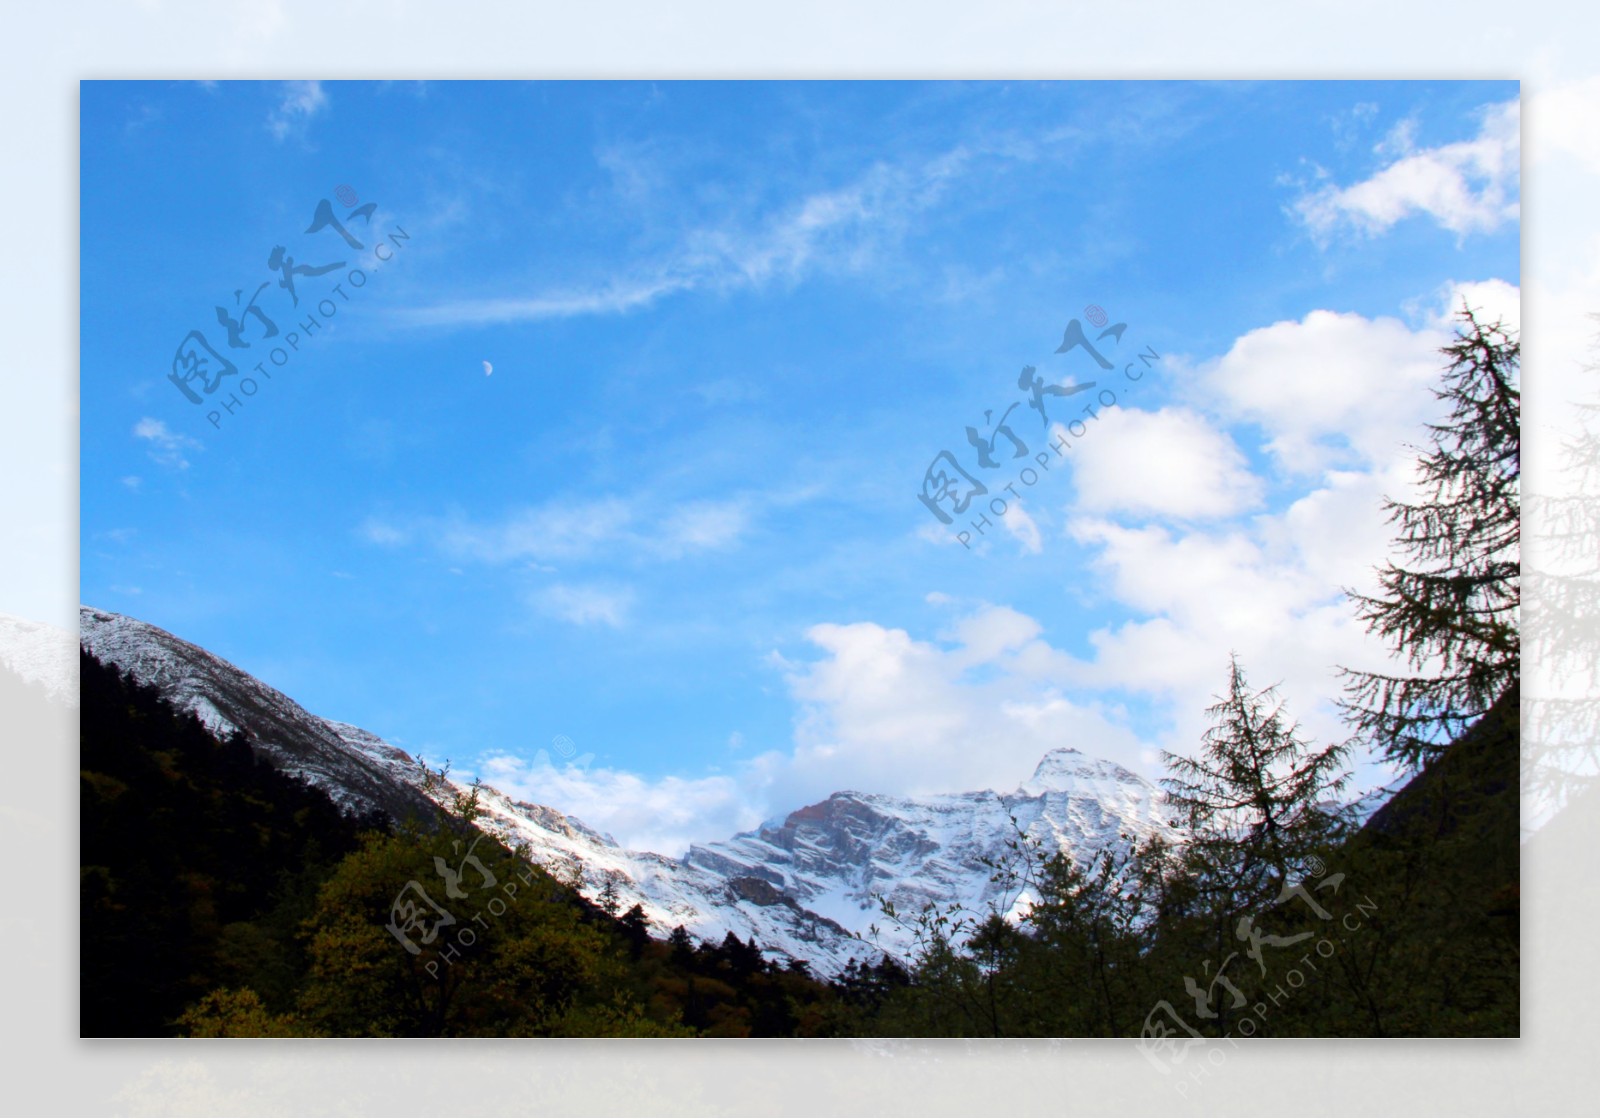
(1067, 770)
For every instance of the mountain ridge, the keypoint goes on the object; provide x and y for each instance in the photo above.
(804, 884)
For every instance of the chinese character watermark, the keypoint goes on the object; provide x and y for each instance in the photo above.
(201, 371)
(1169, 1041)
(949, 488)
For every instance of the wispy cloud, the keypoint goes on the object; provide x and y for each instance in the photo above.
(1023, 528)
(612, 298)
(166, 447)
(1467, 187)
(584, 605)
(827, 229)
(702, 526)
(564, 531)
(299, 102)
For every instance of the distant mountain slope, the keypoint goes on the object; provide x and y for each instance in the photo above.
(803, 887)
(833, 857)
(42, 655)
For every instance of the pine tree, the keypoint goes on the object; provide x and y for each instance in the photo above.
(1452, 610)
(610, 899)
(1255, 800)
(635, 929)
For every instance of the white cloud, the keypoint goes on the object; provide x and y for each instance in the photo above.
(1331, 390)
(167, 447)
(563, 531)
(884, 712)
(828, 229)
(1489, 300)
(375, 531)
(1269, 591)
(614, 297)
(1467, 187)
(1336, 398)
(299, 103)
(663, 815)
(584, 605)
(1208, 572)
(1172, 462)
(702, 526)
(556, 531)
(1022, 527)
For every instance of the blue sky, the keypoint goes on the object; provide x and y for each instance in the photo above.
(730, 327)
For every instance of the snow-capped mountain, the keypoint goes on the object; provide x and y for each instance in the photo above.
(838, 857)
(805, 885)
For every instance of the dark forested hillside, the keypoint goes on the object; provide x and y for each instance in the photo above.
(1407, 927)
(197, 859)
(222, 897)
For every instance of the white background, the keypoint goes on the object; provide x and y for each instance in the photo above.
(48, 48)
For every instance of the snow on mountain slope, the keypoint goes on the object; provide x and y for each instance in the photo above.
(41, 654)
(839, 856)
(803, 885)
(227, 699)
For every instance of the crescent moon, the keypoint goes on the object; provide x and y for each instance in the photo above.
(487, 369)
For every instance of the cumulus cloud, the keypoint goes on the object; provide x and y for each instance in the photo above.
(1255, 589)
(1466, 187)
(1270, 590)
(1339, 401)
(976, 705)
(1334, 389)
(1171, 462)
(1490, 300)
(167, 447)
(663, 815)
(880, 710)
